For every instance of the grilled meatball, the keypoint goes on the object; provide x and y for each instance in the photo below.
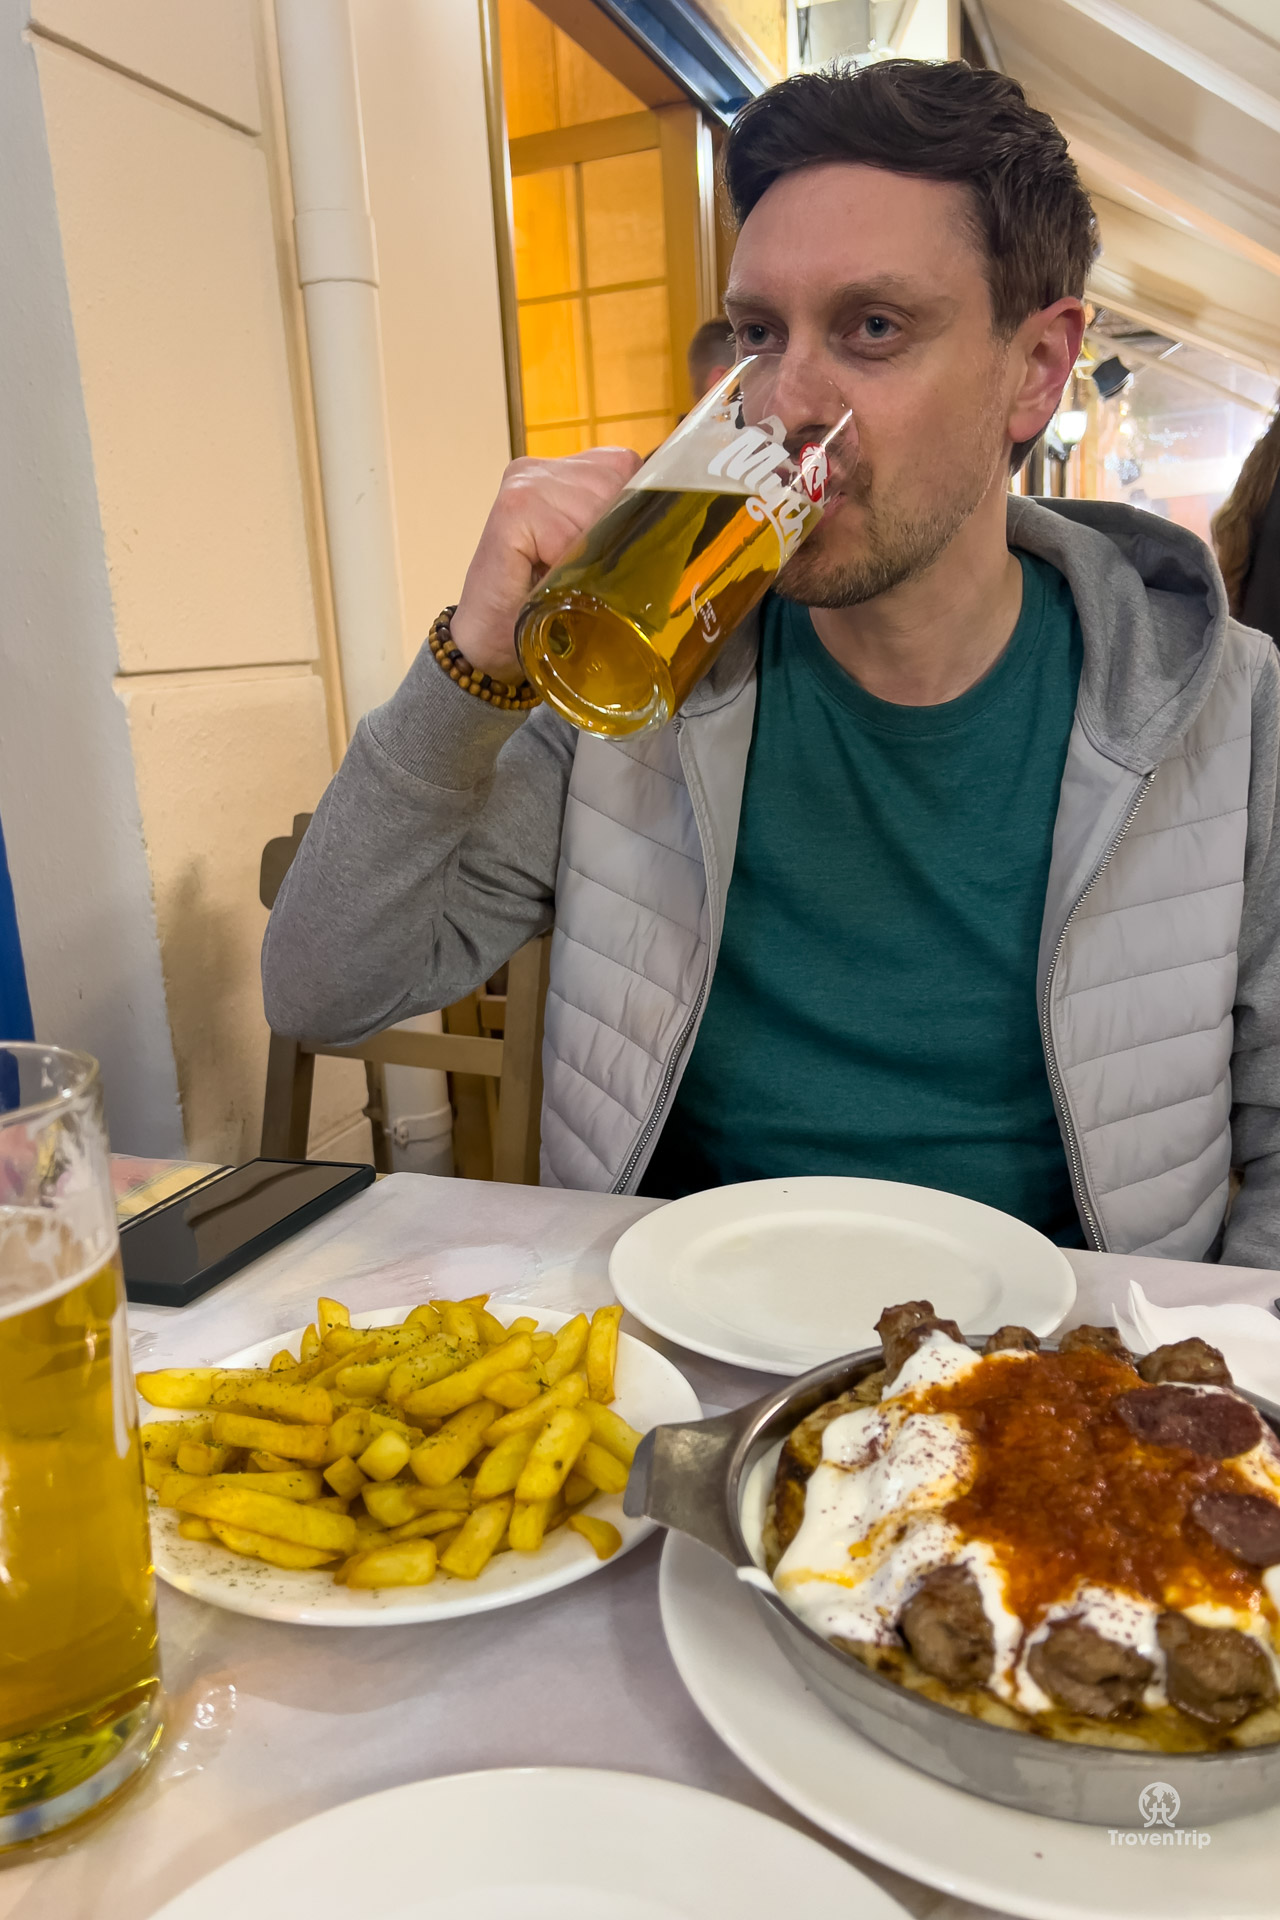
(1192, 1361)
(1086, 1673)
(903, 1329)
(947, 1629)
(1214, 1673)
(1217, 1425)
(1012, 1340)
(1104, 1339)
(1246, 1524)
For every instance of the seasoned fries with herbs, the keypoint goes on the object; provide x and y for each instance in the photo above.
(389, 1455)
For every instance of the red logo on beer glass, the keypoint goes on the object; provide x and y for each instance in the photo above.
(813, 471)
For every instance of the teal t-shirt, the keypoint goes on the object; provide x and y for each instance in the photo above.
(874, 1005)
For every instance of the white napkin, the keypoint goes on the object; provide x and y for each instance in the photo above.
(1248, 1338)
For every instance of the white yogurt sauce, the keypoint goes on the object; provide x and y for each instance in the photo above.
(872, 1529)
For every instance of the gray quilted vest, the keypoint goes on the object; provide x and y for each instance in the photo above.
(1142, 910)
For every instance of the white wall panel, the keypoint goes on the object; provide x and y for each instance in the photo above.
(171, 262)
(224, 761)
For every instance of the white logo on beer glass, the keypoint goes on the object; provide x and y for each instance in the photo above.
(814, 468)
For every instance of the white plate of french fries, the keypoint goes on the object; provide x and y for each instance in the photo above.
(387, 1467)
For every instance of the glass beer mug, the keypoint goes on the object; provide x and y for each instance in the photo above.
(79, 1671)
(617, 635)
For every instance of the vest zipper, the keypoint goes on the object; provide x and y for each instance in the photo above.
(1075, 1160)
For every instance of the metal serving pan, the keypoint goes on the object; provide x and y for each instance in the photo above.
(693, 1478)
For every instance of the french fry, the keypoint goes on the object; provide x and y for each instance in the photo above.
(342, 1340)
(601, 1534)
(512, 1390)
(529, 1521)
(290, 1443)
(578, 1488)
(345, 1477)
(329, 1503)
(174, 1485)
(277, 1399)
(544, 1345)
(459, 1321)
(394, 1506)
(383, 1458)
(571, 1344)
(290, 1483)
(438, 1520)
(330, 1314)
(267, 1513)
(611, 1431)
(196, 1456)
(283, 1362)
(404, 1563)
(263, 1462)
(350, 1434)
(365, 1377)
(498, 1471)
(443, 1455)
(603, 1469)
(310, 1342)
(492, 1331)
(194, 1529)
(184, 1388)
(424, 1315)
(553, 1454)
(437, 1357)
(602, 1353)
(566, 1394)
(161, 1438)
(262, 1546)
(469, 1554)
(469, 1383)
(525, 1324)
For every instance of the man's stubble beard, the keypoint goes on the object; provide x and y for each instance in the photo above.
(894, 545)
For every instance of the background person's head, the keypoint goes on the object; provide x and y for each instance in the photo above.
(712, 351)
(918, 234)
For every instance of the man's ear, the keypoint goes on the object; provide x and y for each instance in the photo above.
(1041, 356)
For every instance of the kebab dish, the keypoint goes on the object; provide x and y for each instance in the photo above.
(1072, 1543)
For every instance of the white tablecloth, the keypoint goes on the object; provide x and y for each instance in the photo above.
(268, 1724)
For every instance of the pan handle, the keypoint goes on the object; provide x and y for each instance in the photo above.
(678, 1478)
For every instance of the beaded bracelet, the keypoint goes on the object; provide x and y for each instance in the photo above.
(460, 670)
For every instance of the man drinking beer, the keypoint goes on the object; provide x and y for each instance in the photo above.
(958, 866)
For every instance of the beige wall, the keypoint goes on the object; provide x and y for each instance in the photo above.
(178, 261)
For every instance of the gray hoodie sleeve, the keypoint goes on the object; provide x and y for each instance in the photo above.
(1252, 1236)
(431, 859)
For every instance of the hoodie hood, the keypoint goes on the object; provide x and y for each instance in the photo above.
(1153, 616)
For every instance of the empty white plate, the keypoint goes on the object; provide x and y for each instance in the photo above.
(545, 1843)
(784, 1274)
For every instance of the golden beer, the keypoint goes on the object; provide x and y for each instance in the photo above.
(79, 1668)
(617, 636)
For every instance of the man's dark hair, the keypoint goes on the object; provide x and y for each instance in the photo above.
(711, 346)
(939, 121)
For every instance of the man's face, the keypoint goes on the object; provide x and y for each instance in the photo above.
(872, 284)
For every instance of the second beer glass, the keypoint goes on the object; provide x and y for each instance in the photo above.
(617, 635)
(79, 1667)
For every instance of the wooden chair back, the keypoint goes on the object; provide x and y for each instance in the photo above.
(491, 1048)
